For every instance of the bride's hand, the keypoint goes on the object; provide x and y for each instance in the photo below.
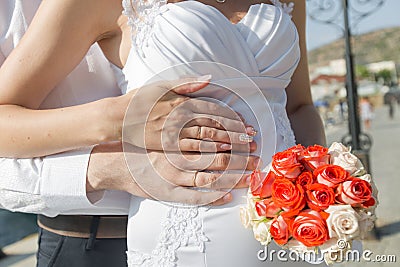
(161, 116)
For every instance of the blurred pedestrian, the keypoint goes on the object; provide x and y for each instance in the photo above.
(391, 103)
(367, 112)
(2, 254)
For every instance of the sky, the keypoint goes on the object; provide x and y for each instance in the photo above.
(388, 15)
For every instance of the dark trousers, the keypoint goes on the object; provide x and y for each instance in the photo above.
(63, 251)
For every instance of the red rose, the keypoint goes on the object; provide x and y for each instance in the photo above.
(266, 187)
(331, 175)
(255, 183)
(288, 196)
(285, 164)
(316, 156)
(279, 230)
(267, 208)
(298, 149)
(319, 196)
(355, 191)
(305, 178)
(310, 228)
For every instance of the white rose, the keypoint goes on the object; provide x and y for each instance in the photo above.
(342, 221)
(341, 156)
(366, 222)
(338, 147)
(366, 177)
(346, 160)
(261, 232)
(245, 217)
(251, 207)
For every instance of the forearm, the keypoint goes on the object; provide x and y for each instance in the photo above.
(307, 126)
(31, 133)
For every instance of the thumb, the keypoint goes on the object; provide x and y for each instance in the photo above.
(191, 85)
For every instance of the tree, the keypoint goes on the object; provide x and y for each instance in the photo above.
(362, 72)
(384, 75)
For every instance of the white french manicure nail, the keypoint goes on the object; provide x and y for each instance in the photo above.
(204, 78)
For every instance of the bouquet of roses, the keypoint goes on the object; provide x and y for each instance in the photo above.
(311, 199)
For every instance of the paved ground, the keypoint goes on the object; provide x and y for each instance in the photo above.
(385, 160)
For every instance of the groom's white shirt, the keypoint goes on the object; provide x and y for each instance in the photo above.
(55, 184)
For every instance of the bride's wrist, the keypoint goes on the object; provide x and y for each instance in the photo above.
(109, 120)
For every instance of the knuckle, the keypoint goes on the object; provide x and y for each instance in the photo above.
(193, 145)
(213, 181)
(212, 107)
(200, 179)
(222, 160)
(177, 102)
(196, 199)
(209, 133)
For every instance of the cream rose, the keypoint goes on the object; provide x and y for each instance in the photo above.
(245, 217)
(366, 222)
(342, 221)
(345, 160)
(338, 147)
(251, 208)
(261, 232)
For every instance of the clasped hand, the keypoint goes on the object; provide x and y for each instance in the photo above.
(161, 116)
(173, 143)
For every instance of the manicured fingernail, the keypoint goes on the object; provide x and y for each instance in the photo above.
(226, 146)
(245, 138)
(227, 197)
(204, 78)
(251, 131)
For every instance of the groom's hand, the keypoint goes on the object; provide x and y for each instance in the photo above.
(156, 177)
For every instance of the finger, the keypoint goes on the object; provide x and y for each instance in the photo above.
(190, 85)
(208, 133)
(193, 145)
(193, 197)
(217, 122)
(205, 106)
(219, 162)
(222, 180)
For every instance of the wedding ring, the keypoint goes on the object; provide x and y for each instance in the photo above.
(198, 132)
(194, 178)
(246, 138)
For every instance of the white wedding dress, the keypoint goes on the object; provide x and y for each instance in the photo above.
(189, 35)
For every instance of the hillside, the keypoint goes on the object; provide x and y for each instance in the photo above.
(371, 47)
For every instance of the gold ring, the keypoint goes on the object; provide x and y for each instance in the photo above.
(198, 132)
(194, 178)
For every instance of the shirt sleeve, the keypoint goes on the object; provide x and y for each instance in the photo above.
(55, 185)
(50, 185)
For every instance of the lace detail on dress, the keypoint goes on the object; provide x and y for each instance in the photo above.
(141, 15)
(283, 126)
(182, 227)
(287, 8)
